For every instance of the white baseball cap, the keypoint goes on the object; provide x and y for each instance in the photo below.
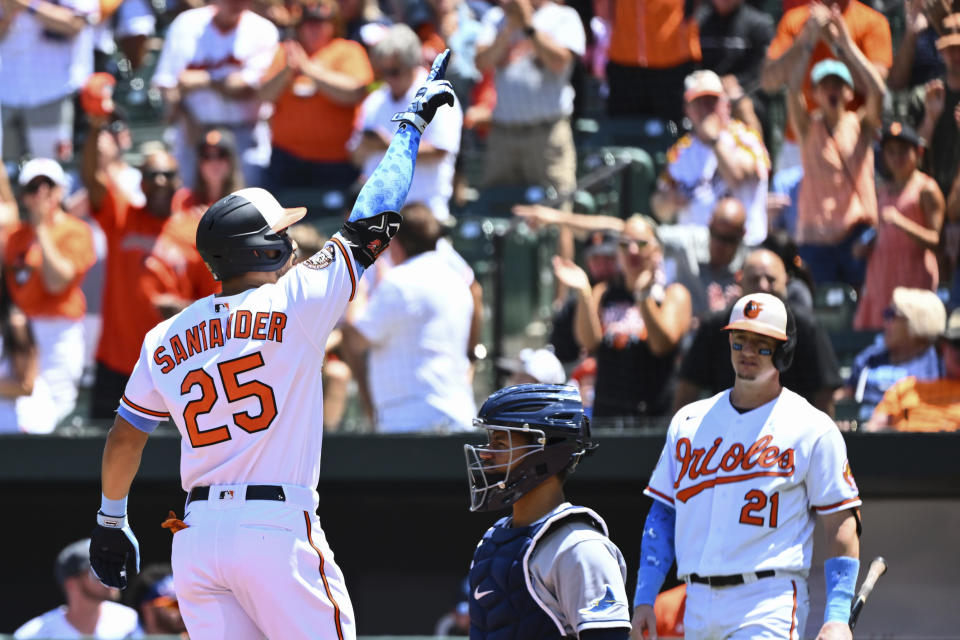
(702, 83)
(540, 364)
(761, 313)
(45, 167)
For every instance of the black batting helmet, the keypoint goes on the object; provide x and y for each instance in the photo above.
(558, 435)
(245, 231)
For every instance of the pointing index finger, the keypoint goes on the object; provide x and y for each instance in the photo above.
(439, 67)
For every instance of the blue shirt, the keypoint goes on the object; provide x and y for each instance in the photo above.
(879, 374)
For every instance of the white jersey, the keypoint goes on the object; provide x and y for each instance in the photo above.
(745, 485)
(240, 375)
(116, 621)
(194, 42)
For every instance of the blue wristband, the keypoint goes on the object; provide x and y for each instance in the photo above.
(840, 575)
(116, 508)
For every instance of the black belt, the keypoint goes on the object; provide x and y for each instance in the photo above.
(254, 492)
(729, 581)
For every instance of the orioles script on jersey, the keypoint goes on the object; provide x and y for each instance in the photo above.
(209, 334)
(759, 459)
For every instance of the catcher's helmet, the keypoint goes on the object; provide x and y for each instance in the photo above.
(551, 415)
(767, 315)
(245, 231)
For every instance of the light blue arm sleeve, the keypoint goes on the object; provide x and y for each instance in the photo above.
(387, 188)
(656, 552)
(143, 424)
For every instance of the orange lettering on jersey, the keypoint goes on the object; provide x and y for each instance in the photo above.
(193, 341)
(178, 353)
(241, 328)
(229, 326)
(216, 333)
(694, 463)
(260, 325)
(164, 361)
(278, 321)
(203, 333)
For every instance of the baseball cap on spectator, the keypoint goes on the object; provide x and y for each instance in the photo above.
(601, 243)
(318, 12)
(539, 364)
(702, 83)
(160, 594)
(831, 67)
(952, 332)
(73, 560)
(42, 167)
(950, 32)
(218, 138)
(761, 313)
(898, 130)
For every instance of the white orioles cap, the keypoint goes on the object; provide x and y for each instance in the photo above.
(761, 313)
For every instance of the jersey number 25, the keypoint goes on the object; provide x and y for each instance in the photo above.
(235, 391)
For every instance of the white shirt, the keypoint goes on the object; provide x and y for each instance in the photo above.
(194, 42)
(745, 485)
(39, 68)
(432, 179)
(116, 622)
(692, 170)
(27, 414)
(418, 323)
(528, 92)
(240, 375)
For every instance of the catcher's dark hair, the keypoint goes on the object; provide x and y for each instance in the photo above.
(420, 229)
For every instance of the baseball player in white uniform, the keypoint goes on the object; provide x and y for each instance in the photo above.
(548, 571)
(239, 375)
(735, 490)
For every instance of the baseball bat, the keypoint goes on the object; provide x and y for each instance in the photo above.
(877, 568)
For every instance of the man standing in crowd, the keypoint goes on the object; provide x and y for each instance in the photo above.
(532, 46)
(397, 60)
(414, 334)
(44, 260)
(720, 157)
(47, 53)
(91, 610)
(815, 373)
(744, 545)
(210, 69)
(153, 269)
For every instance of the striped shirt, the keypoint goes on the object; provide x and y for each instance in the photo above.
(922, 405)
(528, 92)
(40, 66)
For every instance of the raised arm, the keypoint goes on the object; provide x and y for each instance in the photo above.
(870, 79)
(806, 41)
(375, 218)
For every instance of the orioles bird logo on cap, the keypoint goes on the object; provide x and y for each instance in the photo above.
(752, 309)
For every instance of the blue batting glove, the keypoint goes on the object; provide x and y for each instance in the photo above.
(435, 93)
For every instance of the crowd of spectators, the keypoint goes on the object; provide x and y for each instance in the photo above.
(807, 163)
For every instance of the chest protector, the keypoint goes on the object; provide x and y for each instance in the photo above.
(503, 604)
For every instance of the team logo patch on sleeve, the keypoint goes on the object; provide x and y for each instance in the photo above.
(601, 604)
(321, 259)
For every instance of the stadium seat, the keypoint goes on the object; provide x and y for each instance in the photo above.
(834, 305)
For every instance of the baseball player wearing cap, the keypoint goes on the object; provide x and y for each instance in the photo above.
(548, 571)
(734, 493)
(239, 375)
(90, 611)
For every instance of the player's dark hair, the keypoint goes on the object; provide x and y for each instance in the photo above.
(420, 230)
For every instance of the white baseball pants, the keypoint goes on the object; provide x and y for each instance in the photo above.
(769, 608)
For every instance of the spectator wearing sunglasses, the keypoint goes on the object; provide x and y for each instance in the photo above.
(44, 261)
(218, 173)
(319, 76)
(153, 268)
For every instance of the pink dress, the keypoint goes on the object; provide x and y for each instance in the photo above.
(897, 259)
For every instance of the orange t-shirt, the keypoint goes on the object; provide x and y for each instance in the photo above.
(669, 608)
(870, 31)
(147, 257)
(653, 34)
(922, 405)
(308, 124)
(22, 260)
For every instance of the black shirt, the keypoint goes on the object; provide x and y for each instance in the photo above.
(631, 380)
(735, 43)
(942, 157)
(707, 363)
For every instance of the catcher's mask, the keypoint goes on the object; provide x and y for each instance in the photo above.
(534, 431)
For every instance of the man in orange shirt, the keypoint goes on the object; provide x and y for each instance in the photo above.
(925, 405)
(153, 267)
(869, 31)
(44, 261)
(654, 45)
(319, 77)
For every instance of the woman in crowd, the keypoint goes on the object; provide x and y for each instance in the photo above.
(911, 214)
(25, 403)
(218, 173)
(633, 325)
